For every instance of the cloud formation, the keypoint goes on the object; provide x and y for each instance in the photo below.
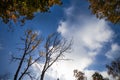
(114, 52)
(89, 36)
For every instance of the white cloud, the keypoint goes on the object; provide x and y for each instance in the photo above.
(114, 51)
(50, 74)
(88, 38)
(58, 71)
(69, 11)
(38, 32)
(89, 74)
(89, 35)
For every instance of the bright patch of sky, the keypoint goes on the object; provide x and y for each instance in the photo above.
(114, 52)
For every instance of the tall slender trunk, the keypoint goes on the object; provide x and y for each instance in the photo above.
(19, 67)
(42, 75)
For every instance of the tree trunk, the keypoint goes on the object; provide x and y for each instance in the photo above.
(42, 75)
(19, 67)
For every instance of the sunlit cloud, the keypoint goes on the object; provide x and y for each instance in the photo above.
(89, 74)
(50, 74)
(114, 52)
(89, 36)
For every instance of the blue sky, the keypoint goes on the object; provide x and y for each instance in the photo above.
(95, 42)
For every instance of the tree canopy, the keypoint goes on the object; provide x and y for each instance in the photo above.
(78, 75)
(114, 68)
(108, 9)
(14, 9)
(97, 76)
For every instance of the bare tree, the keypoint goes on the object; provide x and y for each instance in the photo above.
(55, 47)
(31, 41)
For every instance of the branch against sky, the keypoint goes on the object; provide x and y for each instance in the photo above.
(31, 42)
(55, 47)
(114, 68)
(14, 9)
(106, 9)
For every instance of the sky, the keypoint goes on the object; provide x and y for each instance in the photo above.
(95, 42)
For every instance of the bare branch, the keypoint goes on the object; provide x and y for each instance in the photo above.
(31, 42)
(55, 48)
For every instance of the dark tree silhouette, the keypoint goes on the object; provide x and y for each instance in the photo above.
(78, 75)
(55, 47)
(107, 9)
(97, 76)
(14, 9)
(114, 68)
(31, 41)
(53, 50)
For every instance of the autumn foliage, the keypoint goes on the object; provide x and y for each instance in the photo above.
(14, 9)
(107, 9)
